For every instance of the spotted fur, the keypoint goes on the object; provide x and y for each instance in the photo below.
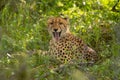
(66, 47)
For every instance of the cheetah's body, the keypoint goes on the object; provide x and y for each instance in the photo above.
(66, 47)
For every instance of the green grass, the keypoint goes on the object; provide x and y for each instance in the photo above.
(23, 29)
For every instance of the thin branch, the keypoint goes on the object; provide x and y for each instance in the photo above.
(114, 7)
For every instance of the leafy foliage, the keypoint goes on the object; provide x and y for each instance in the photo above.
(23, 30)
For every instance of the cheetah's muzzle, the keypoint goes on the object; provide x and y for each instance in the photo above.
(57, 35)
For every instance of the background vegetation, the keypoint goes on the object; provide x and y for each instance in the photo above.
(23, 31)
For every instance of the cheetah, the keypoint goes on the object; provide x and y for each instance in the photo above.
(66, 47)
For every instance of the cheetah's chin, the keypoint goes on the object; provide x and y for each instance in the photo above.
(57, 35)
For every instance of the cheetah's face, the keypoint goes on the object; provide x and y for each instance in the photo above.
(57, 27)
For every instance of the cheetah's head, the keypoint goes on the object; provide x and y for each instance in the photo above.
(58, 27)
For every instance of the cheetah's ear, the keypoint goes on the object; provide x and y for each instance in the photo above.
(49, 19)
(66, 18)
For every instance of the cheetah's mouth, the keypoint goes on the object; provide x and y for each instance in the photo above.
(57, 35)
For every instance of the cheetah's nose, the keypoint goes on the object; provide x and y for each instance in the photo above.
(55, 30)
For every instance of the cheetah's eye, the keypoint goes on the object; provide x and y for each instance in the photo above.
(51, 23)
(60, 23)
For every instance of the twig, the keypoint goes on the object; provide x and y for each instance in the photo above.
(114, 7)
